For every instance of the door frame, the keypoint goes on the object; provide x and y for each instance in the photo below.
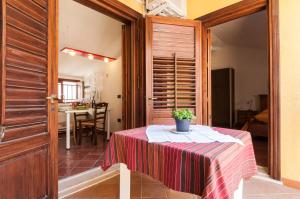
(133, 70)
(238, 10)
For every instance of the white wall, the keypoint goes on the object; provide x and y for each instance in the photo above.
(251, 72)
(112, 87)
(108, 84)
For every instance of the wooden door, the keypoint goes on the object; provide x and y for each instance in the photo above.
(222, 89)
(173, 78)
(28, 165)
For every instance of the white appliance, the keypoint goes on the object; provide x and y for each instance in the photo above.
(171, 8)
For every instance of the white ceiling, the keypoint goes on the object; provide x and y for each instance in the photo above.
(85, 29)
(250, 31)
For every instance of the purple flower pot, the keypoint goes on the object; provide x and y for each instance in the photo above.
(182, 125)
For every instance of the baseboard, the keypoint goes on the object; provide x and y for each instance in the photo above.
(76, 183)
(291, 183)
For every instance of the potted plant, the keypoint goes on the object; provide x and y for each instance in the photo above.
(183, 119)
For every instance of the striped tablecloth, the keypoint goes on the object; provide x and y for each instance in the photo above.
(209, 170)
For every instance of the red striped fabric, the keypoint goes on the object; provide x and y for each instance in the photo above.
(212, 171)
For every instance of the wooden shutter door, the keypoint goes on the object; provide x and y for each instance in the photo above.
(28, 61)
(172, 68)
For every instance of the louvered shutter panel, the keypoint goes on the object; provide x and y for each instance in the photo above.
(172, 67)
(26, 159)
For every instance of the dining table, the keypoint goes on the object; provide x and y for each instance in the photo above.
(210, 170)
(68, 113)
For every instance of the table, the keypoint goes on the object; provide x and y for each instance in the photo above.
(214, 170)
(68, 123)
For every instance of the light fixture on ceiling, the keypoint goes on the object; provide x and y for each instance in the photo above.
(106, 60)
(90, 56)
(72, 53)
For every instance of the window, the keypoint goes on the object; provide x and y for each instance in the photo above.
(69, 90)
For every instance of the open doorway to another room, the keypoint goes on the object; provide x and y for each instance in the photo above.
(240, 78)
(90, 86)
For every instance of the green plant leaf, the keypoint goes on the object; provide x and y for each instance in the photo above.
(183, 114)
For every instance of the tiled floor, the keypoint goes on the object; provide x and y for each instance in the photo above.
(143, 187)
(261, 150)
(78, 158)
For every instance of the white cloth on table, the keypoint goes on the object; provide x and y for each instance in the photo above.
(198, 134)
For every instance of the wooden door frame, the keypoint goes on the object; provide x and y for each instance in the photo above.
(237, 10)
(133, 73)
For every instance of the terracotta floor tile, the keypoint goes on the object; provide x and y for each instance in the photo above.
(150, 190)
(260, 146)
(62, 171)
(136, 190)
(92, 157)
(86, 163)
(77, 170)
(79, 158)
(253, 189)
(148, 179)
(179, 195)
(136, 178)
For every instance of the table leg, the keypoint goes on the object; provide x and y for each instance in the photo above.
(238, 194)
(68, 131)
(124, 182)
(108, 125)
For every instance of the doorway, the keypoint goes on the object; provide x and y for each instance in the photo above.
(115, 79)
(239, 79)
(90, 72)
(235, 11)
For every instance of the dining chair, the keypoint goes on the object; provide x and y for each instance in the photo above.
(97, 124)
(77, 132)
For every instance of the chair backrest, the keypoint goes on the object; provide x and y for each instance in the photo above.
(78, 117)
(100, 110)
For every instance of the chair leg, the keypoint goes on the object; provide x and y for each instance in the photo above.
(95, 137)
(74, 135)
(79, 134)
(92, 135)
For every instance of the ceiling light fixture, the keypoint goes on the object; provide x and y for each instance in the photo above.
(90, 56)
(106, 60)
(72, 53)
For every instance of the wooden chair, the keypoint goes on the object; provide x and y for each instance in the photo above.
(97, 124)
(76, 130)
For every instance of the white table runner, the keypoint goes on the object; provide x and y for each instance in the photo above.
(198, 134)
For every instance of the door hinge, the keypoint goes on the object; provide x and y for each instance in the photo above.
(2, 133)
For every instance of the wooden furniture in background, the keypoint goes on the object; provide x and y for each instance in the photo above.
(244, 116)
(173, 68)
(97, 124)
(222, 90)
(68, 124)
(76, 129)
(263, 102)
(255, 127)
